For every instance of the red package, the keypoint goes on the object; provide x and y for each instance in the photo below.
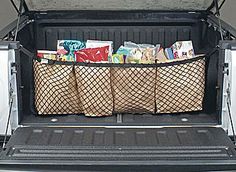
(92, 54)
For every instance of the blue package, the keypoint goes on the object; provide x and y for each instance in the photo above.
(67, 48)
(124, 50)
(169, 53)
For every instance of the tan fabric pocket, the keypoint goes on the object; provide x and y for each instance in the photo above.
(55, 89)
(133, 89)
(180, 87)
(103, 89)
(94, 86)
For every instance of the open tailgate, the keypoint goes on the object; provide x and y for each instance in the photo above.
(161, 148)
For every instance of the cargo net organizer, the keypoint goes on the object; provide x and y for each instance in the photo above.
(103, 89)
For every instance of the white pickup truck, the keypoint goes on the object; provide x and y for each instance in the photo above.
(132, 139)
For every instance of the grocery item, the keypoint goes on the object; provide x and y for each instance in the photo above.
(118, 58)
(124, 50)
(45, 54)
(148, 55)
(92, 54)
(135, 56)
(134, 45)
(67, 48)
(98, 43)
(183, 49)
(158, 47)
(138, 53)
(160, 56)
(169, 53)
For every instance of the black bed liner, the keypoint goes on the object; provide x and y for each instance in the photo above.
(200, 119)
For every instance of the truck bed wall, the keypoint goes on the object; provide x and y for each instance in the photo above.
(140, 27)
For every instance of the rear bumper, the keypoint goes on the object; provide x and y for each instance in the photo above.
(117, 166)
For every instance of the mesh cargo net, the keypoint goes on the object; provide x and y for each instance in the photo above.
(94, 87)
(55, 89)
(104, 89)
(180, 87)
(133, 89)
